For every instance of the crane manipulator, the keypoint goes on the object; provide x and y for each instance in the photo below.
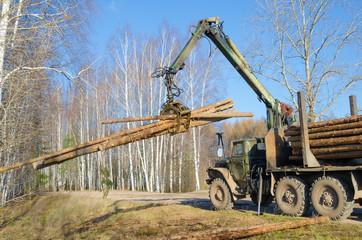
(264, 168)
(212, 28)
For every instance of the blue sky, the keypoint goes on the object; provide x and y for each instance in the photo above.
(146, 17)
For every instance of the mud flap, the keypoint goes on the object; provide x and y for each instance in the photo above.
(225, 174)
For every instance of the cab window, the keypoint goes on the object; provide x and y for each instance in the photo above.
(238, 149)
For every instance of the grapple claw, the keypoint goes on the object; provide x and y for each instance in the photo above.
(179, 110)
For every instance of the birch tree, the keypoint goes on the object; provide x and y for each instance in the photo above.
(309, 45)
(124, 87)
(37, 39)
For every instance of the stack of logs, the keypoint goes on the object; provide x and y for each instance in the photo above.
(167, 124)
(329, 140)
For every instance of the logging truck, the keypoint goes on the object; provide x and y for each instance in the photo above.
(298, 172)
(327, 176)
(309, 164)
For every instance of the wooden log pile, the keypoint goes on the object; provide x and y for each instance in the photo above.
(330, 140)
(169, 124)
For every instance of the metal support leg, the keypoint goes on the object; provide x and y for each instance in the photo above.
(353, 105)
(309, 159)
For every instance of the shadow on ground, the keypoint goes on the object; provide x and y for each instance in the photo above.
(68, 232)
(247, 205)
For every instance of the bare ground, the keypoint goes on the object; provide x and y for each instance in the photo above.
(199, 199)
(140, 215)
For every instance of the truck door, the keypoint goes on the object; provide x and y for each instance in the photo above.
(239, 165)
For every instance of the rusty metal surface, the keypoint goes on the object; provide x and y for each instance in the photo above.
(353, 105)
(309, 159)
(317, 169)
(235, 188)
(277, 152)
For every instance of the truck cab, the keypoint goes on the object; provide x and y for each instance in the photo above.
(246, 155)
(234, 177)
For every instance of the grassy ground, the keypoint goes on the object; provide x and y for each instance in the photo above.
(69, 217)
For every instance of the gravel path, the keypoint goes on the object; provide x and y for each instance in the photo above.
(198, 199)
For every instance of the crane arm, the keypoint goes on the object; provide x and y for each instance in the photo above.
(210, 27)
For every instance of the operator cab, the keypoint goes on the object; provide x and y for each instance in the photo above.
(247, 154)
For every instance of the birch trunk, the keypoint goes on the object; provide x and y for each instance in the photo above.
(196, 161)
(171, 163)
(4, 21)
(180, 164)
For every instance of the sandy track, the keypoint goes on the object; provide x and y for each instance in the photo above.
(165, 198)
(198, 199)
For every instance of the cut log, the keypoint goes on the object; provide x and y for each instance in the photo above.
(296, 158)
(294, 131)
(329, 140)
(158, 130)
(206, 115)
(335, 149)
(340, 155)
(331, 122)
(132, 135)
(239, 232)
(330, 134)
(325, 142)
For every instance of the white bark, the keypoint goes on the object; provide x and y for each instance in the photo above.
(82, 158)
(4, 21)
(16, 24)
(180, 164)
(171, 163)
(157, 164)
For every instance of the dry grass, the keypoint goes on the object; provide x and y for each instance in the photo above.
(70, 217)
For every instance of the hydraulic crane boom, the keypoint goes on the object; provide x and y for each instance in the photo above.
(211, 28)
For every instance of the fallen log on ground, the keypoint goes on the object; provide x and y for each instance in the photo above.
(239, 232)
(133, 135)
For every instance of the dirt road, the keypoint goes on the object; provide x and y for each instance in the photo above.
(198, 199)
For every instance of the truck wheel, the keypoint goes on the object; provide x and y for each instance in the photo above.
(292, 196)
(220, 195)
(266, 200)
(331, 196)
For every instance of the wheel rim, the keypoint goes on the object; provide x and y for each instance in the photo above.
(219, 194)
(331, 196)
(289, 196)
(328, 198)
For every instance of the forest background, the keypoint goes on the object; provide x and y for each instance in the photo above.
(59, 80)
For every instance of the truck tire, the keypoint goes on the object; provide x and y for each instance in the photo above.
(220, 195)
(292, 196)
(266, 200)
(331, 196)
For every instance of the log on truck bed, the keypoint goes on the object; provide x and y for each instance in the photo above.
(336, 139)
